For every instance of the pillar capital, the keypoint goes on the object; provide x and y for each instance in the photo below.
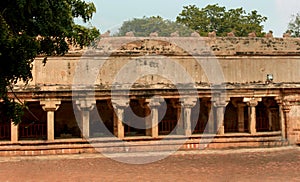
(279, 100)
(120, 103)
(50, 105)
(189, 102)
(86, 104)
(252, 102)
(220, 104)
(220, 100)
(154, 102)
(286, 106)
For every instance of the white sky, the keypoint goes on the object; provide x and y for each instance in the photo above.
(111, 13)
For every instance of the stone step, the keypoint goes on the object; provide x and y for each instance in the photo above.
(117, 146)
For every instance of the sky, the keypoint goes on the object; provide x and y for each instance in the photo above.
(111, 13)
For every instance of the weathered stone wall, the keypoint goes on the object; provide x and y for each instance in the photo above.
(293, 125)
(235, 69)
(242, 60)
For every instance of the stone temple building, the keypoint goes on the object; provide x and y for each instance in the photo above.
(154, 93)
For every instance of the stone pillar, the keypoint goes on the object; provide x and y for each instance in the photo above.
(148, 118)
(241, 119)
(252, 103)
(179, 126)
(119, 106)
(153, 118)
(85, 106)
(285, 122)
(50, 106)
(14, 133)
(187, 104)
(211, 119)
(219, 101)
(220, 110)
(284, 109)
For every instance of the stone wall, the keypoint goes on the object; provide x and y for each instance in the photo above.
(293, 125)
(241, 60)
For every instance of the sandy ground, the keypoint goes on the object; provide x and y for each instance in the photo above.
(278, 164)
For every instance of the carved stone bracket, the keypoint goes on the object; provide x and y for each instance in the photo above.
(252, 102)
(189, 102)
(286, 106)
(86, 104)
(155, 102)
(120, 103)
(220, 100)
(284, 103)
(50, 105)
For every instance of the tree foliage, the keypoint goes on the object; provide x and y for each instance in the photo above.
(217, 18)
(30, 28)
(294, 25)
(142, 27)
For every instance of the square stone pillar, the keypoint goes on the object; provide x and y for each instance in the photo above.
(252, 103)
(118, 123)
(220, 110)
(211, 118)
(187, 121)
(50, 125)
(287, 123)
(119, 107)
(284, 109)
(220, 106)
(148, 121)
(14, 133)
(50, 106)
(180, 125)
(85, 123)
(187, 104)
(153, 117)
(220, 102)
(85, 106)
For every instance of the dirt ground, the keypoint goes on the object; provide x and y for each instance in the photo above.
(232, 165)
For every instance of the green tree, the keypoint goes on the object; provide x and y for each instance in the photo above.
(142, 27)
(294, 25)
(217, 18)
(31, 28)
